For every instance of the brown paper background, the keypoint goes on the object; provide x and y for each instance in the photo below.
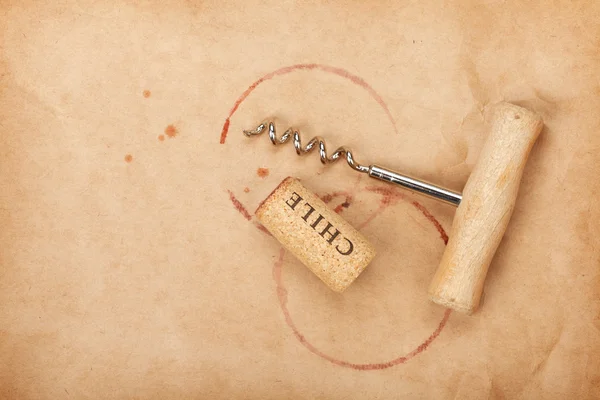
(141, 280)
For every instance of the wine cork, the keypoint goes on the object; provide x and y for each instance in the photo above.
(320, 238)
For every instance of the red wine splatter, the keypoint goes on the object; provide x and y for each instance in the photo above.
(171, 131)
(262, 172)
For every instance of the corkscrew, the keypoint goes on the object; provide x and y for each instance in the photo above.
(374, 171)
(484, 207)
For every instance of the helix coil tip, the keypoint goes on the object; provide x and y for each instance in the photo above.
(317, 141)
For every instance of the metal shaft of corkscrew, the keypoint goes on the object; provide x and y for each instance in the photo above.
(415, 185)
(374, 171)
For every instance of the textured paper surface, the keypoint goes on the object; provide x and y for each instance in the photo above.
(131, 268)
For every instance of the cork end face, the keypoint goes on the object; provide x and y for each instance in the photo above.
(319, 237)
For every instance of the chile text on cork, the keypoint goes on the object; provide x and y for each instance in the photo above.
(344, 245)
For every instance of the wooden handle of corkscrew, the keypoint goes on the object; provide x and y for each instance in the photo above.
(486, 207)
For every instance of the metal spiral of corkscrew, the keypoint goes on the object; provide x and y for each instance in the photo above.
(341, 152)
(374, 171)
